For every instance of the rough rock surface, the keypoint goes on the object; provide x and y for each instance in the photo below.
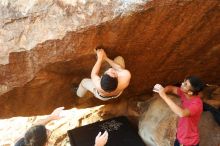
(24, 24)
(48, 45)
(157, 125)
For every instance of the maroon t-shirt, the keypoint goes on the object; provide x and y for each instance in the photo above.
(187, 130)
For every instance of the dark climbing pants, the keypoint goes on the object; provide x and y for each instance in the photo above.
(176, 143)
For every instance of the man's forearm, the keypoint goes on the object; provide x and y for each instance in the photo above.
(173, 106)
(43, 121)
(112, 63)
(96, 67)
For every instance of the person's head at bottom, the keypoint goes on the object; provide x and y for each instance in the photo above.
(35, 136)
(109, 81)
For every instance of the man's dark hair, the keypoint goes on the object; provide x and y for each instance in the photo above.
(109, 83)
(36, 136)
(196, 83)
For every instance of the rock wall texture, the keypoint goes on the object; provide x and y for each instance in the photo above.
(46, 46)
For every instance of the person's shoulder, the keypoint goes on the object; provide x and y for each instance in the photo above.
(197, 100)
(125, 73)
(124, 77)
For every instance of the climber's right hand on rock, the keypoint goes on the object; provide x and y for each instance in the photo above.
(100, 54)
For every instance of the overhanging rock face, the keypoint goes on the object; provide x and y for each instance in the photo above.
(50, 46)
